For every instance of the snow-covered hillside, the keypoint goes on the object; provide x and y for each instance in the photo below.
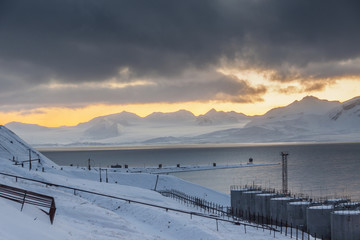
(82, 215)
(348, 114)
(307, 120)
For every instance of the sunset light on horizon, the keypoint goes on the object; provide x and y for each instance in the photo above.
(68, 62)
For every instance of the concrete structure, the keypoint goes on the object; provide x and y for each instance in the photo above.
(262, 203)
(248, 203)
(296, 214)
(235, 196)
(278, 208)
(318, 220)
(335, 201)
(348, 206)
(345, 225)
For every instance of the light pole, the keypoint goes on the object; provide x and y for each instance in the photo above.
(106, 175)
(89, 164)
(284, 172)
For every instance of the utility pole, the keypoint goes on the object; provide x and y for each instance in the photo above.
(89, 164)
(284, 172)
(29, 159)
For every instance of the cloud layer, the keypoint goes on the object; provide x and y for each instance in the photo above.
(176, 46)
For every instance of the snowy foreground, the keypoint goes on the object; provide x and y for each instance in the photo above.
(87, 216)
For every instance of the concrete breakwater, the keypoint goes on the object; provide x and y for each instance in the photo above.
(335, 219)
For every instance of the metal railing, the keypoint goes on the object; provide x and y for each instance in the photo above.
(23, 196)
(190, 213)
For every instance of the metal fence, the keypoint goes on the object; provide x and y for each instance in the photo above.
(23, 196)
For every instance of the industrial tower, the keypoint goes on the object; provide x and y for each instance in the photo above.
(284, 172)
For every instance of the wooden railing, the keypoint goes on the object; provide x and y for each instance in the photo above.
(23, 196)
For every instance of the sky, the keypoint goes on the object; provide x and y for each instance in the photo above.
(63, 61)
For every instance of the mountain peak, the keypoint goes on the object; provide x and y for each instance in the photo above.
(311, 98)
(220, 117)
(178, 116)
(307, 105)
(213, 110)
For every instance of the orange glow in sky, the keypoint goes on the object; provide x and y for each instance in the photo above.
(53, 117)
(343, 89)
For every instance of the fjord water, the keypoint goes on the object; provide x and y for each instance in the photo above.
(318, 170)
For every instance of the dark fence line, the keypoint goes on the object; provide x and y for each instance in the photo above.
(296, 232)
(211, 208)
(206, 206)
(23, 196)
(190, 213)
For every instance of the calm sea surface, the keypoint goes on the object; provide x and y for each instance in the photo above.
(313, 169)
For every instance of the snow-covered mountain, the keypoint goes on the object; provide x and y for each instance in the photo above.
(308, 106)
(124, 118)
(347, 114)
(307, 120)
(129, 128)
(214, 117)
(179, 117)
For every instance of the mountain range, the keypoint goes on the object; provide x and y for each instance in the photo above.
(307, 120)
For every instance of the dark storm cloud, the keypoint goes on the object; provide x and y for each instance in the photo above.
(91, 40)
(83, 41)
(211, 86)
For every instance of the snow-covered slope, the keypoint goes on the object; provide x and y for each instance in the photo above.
(180, 117)
(124, 118)
(308, 106)
(104, 129)
(14, 149)
(85, 216)
(348, 114)
(214, 117)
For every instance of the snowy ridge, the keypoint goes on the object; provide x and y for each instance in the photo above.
(14, 148)
(179, 117)
(347, 111)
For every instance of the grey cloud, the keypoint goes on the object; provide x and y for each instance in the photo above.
(88, 40)
(24, 113)
(221, 88)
